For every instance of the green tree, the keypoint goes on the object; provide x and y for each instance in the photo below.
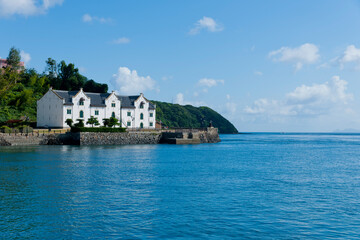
(69, 122)
(92, 86)
(13, 60)
(51, 67)
(106, 122)
(93, 121)
(80, 123)
(69, 76)
(113, 122)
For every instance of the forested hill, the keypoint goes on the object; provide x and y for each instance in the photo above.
(175, 115)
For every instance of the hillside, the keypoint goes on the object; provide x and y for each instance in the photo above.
(175, 115)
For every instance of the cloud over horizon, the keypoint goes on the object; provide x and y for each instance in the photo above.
(305, 101)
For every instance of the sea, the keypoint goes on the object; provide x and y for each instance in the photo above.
(248, 186)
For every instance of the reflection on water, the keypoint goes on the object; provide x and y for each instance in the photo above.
(248, 186)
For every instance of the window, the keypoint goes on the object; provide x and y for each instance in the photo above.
(142, 105)
(96, 112)
(151, 124)
(113, 114)
(151, 114)
(81, 103)
(141, 125)
(112, 104)
(68, 111)
(81, 114)
(141, 116)
(129, 114)
(128, 124)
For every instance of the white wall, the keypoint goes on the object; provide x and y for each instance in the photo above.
(50, 111)
(125, 118)
(145, 111)
(77, 107)
(109, 109)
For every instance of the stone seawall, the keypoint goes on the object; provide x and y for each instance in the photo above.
(179, 136)
(118, 138)
(27, 139)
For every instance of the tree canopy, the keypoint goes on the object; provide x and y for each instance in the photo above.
(19, 90)
(13, 60)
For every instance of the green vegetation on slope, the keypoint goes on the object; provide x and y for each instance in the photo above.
(175, 115)
(21, 88)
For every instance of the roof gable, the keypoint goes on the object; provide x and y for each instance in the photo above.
(98, 99)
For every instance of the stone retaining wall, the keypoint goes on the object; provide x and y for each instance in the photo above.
(119, 138)
(193, 136)
(26, 139)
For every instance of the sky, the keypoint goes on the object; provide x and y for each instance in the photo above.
(267, 66)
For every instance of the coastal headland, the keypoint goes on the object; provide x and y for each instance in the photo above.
(169, 136)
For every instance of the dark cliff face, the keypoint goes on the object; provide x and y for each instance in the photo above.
(175, 115)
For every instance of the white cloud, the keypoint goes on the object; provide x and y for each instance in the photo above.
(25, 57)
(179, 99)
(258, 73)
(26, 7)
(304, 54)
(122, 40)
(318, 99)
(228, 97)
(230, 108)
(351, 55)
(129, 82)
(89, 19)
(166, 78)
(206, 23)
(209, 82)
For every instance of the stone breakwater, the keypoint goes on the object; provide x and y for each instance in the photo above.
(179, 136)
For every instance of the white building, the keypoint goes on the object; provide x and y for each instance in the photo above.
(56, 106)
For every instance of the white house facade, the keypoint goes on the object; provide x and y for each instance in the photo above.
(56, 106)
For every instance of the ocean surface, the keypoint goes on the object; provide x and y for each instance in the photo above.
(249, 186)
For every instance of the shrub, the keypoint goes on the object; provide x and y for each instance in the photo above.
(26, 129)
(5, 129)
(93, 121)
(97, 129)
(113, 122)
(80, 123)
(15, 130)
(106, 122)
(69, 122)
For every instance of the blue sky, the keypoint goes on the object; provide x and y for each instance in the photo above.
(265, 65)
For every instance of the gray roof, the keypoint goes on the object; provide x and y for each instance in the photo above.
(98, 99)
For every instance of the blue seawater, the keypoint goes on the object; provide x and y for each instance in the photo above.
(249, 186)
